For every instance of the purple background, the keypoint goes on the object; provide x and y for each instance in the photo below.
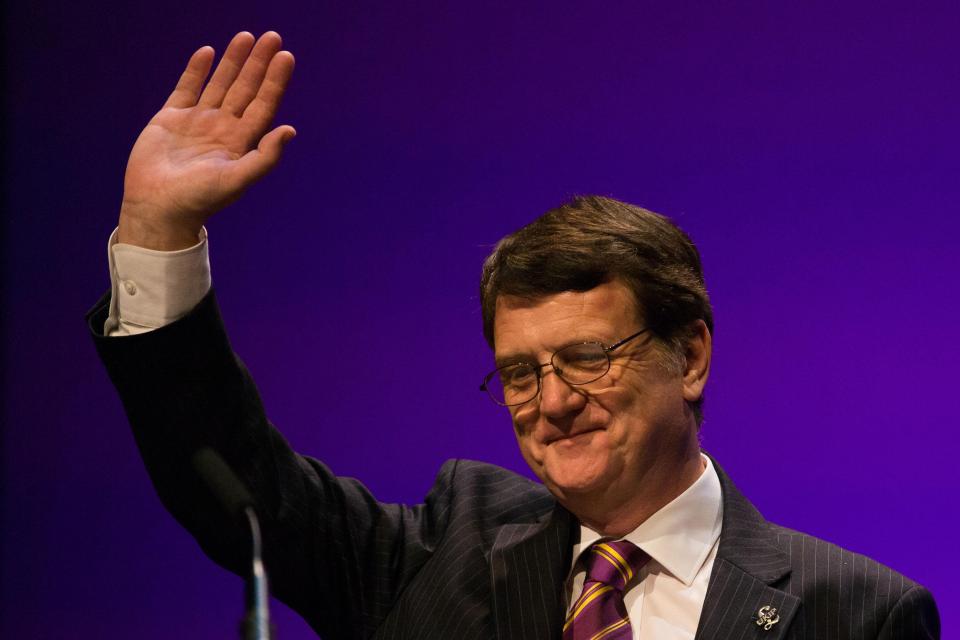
(809, 150)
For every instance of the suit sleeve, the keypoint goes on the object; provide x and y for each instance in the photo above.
(334, 554)
(913, 617)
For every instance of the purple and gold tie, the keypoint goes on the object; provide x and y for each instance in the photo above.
(599, 612)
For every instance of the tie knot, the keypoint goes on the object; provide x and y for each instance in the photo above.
(614, 563)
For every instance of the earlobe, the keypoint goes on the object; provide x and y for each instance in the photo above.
(697, 369)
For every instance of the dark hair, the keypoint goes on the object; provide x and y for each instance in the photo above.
(591, 240)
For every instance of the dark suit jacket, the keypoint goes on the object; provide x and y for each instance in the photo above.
(485, 556)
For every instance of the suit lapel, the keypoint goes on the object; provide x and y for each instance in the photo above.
(748, 566)
(528, 567)
(529, 564)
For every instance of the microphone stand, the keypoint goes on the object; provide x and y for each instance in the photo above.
(235, 498)
(256, 623)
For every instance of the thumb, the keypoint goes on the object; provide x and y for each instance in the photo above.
(256, 163)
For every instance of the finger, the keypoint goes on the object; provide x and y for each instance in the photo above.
(256, 163)
(247, 84)
(259, 114)
(191, 80)
(228, 69)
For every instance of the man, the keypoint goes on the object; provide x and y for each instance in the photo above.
(601, 330)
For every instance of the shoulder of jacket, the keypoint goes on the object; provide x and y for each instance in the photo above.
(822, 560)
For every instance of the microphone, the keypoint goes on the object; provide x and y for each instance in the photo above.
(238, 502)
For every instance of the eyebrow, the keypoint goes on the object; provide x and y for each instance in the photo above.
(517, 357)
(514, 358)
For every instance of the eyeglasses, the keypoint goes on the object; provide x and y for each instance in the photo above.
(576, 364)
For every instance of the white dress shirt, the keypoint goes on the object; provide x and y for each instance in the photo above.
(154, 288)
(665, 600)
(150, 289)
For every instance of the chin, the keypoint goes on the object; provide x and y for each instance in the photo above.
(576, 477)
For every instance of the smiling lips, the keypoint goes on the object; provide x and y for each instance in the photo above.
(571, 436)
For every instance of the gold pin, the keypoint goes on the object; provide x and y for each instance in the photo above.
(767, 617)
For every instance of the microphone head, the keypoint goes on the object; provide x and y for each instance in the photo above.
(222, 481)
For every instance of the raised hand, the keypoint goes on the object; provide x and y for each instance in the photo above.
(207, 144)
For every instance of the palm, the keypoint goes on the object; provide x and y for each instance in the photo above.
(201, 150)
(185, 158)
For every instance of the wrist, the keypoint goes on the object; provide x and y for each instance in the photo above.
(143, 231)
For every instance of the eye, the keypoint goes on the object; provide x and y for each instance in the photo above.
(583, 357)
(518, 375)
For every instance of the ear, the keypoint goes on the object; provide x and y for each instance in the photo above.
(697, 352)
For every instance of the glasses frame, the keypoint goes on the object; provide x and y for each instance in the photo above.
(538, 368)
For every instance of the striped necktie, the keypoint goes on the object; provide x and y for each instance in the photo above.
(599, 612)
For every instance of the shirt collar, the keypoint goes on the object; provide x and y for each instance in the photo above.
(682, 533)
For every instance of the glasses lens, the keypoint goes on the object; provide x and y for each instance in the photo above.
(513, 384)
(581, 363)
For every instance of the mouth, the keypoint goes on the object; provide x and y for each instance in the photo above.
(572, 436)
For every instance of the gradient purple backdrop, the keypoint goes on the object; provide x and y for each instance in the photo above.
(809, 149)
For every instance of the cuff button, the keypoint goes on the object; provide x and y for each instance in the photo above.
(130, 287)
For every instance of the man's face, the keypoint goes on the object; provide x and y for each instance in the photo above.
(597, 440)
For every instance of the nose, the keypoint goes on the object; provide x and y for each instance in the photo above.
(557, 397)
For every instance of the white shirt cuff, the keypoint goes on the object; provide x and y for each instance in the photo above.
(152, 288)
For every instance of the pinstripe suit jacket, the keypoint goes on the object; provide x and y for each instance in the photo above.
(487, 553)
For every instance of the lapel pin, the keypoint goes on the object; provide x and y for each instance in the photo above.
(767, 617)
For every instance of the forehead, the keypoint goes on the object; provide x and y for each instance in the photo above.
(524, 325)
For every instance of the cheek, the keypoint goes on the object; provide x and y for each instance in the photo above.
(643, 392)
(614, 407)
(524, 420)
(630, 417)
(524, 430)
